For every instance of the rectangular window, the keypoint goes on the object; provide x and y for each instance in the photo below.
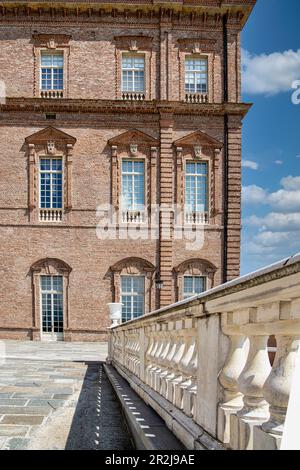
(51, 183)
(196, 187)
(52, 304)
(196, 75)
(193, 285)
(132, 297)
(52, 70)
(133, 185)
(133, 73)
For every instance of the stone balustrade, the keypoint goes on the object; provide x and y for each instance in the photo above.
(51, 215)
(203, 363)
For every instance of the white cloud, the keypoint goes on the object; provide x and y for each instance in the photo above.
(276, 222)
(253, 194)
(291, 183)
(298, 156)
(277, 234)
(278, 162)
(250, 164)
(286, 200)
(270, 74)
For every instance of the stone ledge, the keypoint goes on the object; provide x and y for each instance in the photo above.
(147, 428)
(192, 436)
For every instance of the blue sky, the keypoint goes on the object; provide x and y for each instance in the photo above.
(271, 143)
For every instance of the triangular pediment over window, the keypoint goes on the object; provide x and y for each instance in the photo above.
(198, 138)
(50, 134)
(133, 136)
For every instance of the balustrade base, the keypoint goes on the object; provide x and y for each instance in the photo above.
(183, 427)
(265, 441)
(224, 417)
(242, 433)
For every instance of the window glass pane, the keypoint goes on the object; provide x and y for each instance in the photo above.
(52, 64)
(133, 185)
(196, 188)
(193, 285)
(51, 183)
(133, 73)
(195, 75)
(132, 297)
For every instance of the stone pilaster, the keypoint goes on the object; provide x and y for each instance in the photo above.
(166, 203)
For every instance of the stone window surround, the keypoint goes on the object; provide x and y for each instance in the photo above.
(50, 42)
(210, 153)
(134, 267)
(51, 267)
(136, 45)
(194, 267)
(48, 143)
(147, 151)
(199, 48)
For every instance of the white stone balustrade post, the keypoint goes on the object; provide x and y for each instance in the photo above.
(142, 352)
(252, 379)
(232, 396)
(278, 385)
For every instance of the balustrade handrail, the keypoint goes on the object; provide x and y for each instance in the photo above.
(208, 357)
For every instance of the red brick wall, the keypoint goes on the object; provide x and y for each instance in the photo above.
(92, 74)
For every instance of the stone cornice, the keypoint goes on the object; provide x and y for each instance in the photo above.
(118, 106)
(192, 11)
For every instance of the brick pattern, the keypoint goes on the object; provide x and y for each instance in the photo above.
(90, 113)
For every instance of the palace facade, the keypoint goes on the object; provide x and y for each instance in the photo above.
(120, 138)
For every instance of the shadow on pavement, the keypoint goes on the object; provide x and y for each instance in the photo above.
(98, 423)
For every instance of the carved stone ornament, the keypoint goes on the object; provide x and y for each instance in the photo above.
(133, 149)
(51, 147)
(133, 46)
(196, 48)
(52, 44)
(198, 151)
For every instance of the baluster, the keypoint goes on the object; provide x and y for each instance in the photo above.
(255, 410)
(278, 385)
(232, 396)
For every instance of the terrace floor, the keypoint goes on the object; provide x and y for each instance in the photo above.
(56, 396)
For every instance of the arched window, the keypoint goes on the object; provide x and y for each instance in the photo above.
(194, 276)
(133, 286)
(50, 279)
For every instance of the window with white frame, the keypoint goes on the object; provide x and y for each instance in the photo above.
(52, 304)
(193, 285)
(133, 73)
(196, 187)
(133, 185)
(51, 183)
(196, 80)
(52, 70)
(132, 297)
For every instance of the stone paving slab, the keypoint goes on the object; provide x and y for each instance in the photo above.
(20, 419)
(8, 430)
(55, 396)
